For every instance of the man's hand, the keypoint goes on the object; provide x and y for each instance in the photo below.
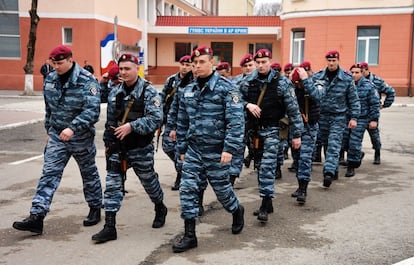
(254, 109)
(296, 142)
(226, 157)
(173, 135)
(352, 124)
(66, 134)
(122, 131)
(373, 125)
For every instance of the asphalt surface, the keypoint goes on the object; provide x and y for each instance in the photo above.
(367, 219)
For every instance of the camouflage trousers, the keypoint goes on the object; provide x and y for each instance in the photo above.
(308, 140)
(141, 160)
(374, 134)
(267, 169)
(356, 137)
(331, 128)
(202, 164)
(56, 156)
(170, 148)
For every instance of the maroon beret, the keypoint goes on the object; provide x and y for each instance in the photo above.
(288, 67)
(127, 57)
(113, 72)
(332, 54)
(306, 65)
(263, 53)
(245, 59)
(295, 77)
(185, 59)
(223, 66)
(355, 65)
(276, 66)
(202, 50)
(59, 53)
(364, 65)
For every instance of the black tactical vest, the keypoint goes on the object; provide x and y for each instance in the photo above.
(134, 139)
(273, 108)
(313, 107)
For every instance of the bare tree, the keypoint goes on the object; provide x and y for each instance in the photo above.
(267, 8)
(28, 68)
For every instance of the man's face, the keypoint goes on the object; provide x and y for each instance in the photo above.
(62, 66)
(128, 71)
(224, 72)
(356, 73)
(184, 68)
(248, 67)
(263, 65)
(333, 64)
(203, 65)
(365, 72)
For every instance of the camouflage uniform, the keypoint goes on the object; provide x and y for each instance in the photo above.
(382, 88)
(281, 99)
(337, 99)
(139, 145)
(370, 106)
(75, 105)
(210, 121)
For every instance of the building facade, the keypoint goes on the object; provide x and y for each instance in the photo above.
(379, 32)
(161, 31)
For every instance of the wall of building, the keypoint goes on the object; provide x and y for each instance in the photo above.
(340, 33)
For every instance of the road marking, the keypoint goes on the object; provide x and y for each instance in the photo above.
(25, 160)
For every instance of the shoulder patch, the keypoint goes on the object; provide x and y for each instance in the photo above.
(157, 102)
(235, 97)
(93, 89)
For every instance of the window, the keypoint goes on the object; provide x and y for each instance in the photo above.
(67, 36)
(368, 45)
(297, 47)
(10, 29)
(254, 47)
(183, 48)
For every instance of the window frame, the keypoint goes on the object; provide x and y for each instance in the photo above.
(297, 46)
(15, 36)
(64, 36)
(368, 41)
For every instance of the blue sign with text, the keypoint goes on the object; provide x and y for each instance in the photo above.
(218, 30)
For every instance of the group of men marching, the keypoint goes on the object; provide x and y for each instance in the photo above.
(208, 120)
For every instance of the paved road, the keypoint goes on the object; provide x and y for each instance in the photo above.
(367, 219)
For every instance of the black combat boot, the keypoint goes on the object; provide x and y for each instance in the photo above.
(189, 239)
(176, 185)
(263, 211)
(232, 179)
(295, 193)
(109, 231)
(93, 217)
(278, 174)
(33, 223)
(327, 179)
(238, 220)
(200, 203)
(247, 160)
(269, 209)
(350, 172)
(377, 157)
(317, 155)
(160, 214)
(303, 186)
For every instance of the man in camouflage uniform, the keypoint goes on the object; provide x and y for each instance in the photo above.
(368, 119)
(383, 89)
(72, 102)
(308, 101)
(338, 97)
(167, 96)
(278, 98)
(134, 113)
(210, 130)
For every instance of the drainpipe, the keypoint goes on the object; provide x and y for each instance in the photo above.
(410, 83)
(156, 53)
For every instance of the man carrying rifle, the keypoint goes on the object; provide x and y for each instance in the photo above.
(134, 113)
(180, 79)
(268, 96)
